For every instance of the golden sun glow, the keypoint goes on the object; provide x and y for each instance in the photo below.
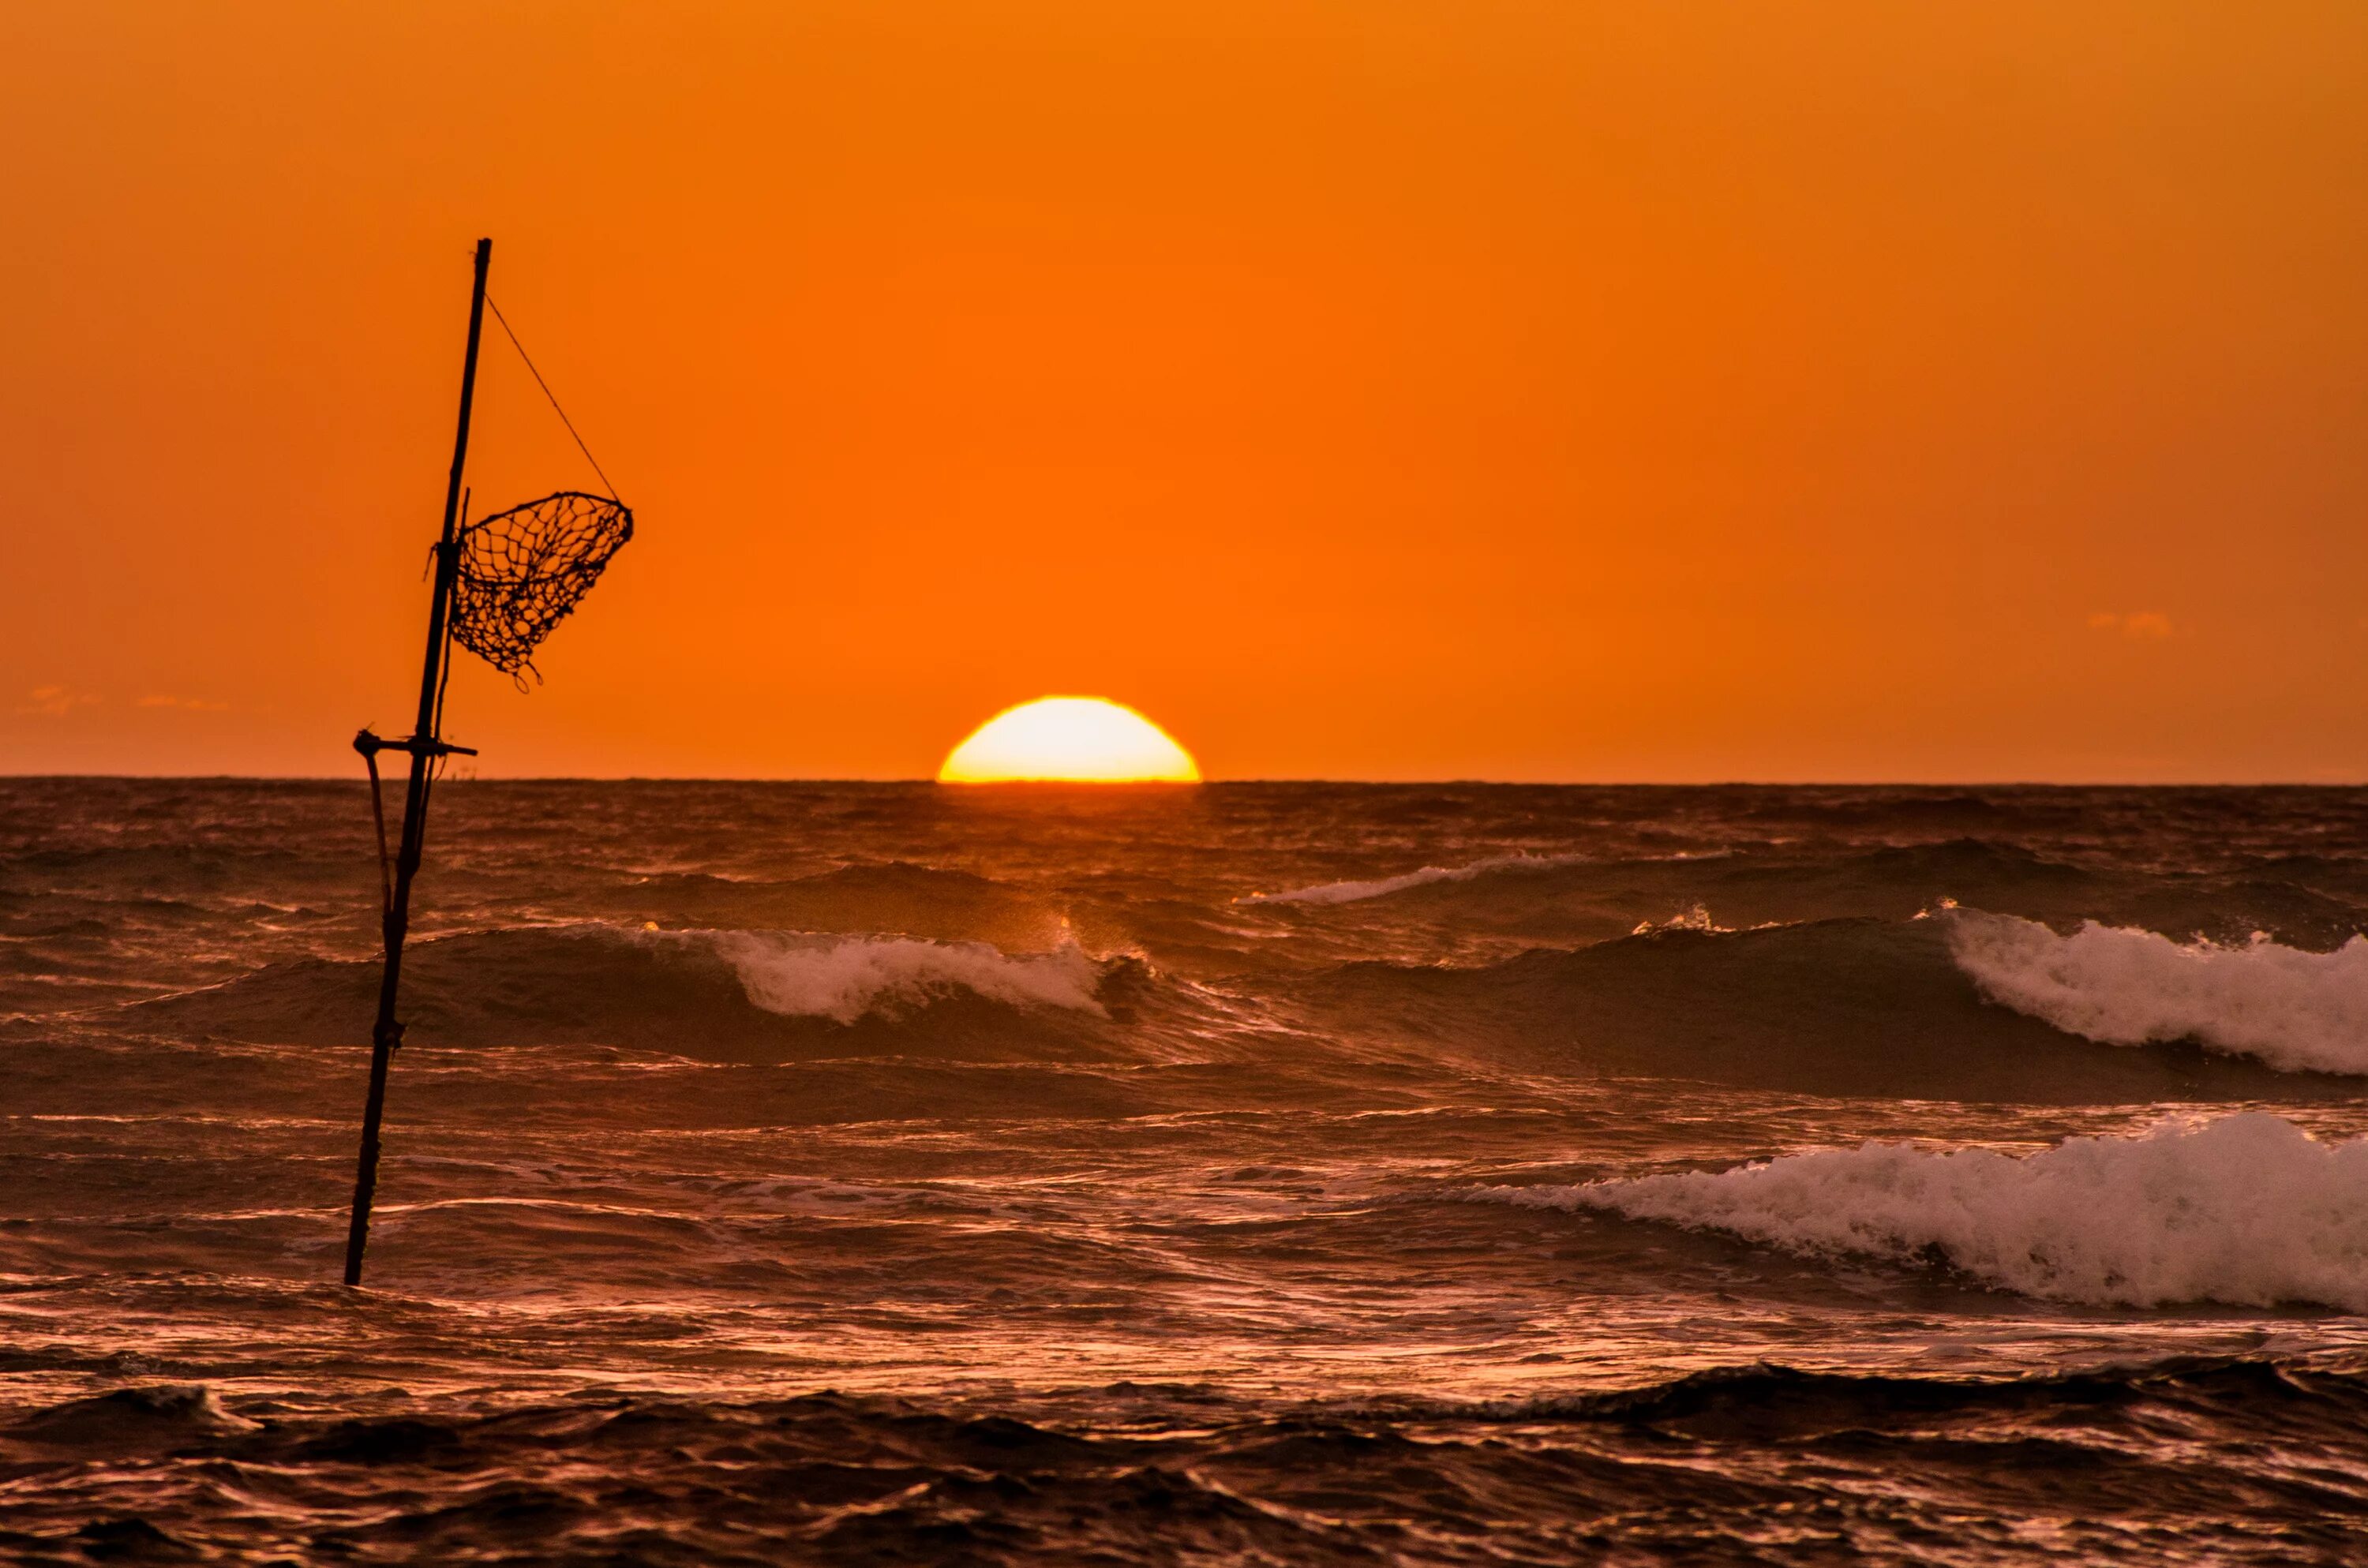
(1080, 739)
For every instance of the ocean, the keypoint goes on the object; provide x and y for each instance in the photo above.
(1248, 1173)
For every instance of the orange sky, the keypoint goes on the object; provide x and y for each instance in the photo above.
(1566, 391)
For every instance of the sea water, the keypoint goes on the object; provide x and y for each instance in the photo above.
(1271, 1173)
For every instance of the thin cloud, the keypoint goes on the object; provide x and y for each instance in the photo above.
(192, 704)
(2139, 626)
(55, 701)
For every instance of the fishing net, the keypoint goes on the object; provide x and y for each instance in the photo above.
(521, 570)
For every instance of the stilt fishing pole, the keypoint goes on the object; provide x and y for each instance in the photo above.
(501, 585)
(426, 747)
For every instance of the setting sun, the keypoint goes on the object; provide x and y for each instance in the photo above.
(1079, 739)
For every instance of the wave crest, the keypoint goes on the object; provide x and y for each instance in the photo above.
(2246, 1210)
(2297, 1010)
(1356, 893)
(844, 978)
(728, 995)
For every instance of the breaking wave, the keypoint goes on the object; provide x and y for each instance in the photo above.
(1858, 1008)
(844, 978)
(2246, 1210)
(2297, 1010)
(739, 994)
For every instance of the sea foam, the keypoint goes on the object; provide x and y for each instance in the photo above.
(842, 978)
(1354, 892)
(2246, 1210)
(2295, 1010)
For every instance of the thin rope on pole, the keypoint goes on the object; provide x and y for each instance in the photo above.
(511, 334)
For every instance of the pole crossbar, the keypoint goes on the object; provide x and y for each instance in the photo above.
(426, 749)
(370, 745)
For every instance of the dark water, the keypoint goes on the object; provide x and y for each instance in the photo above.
(884, 1173)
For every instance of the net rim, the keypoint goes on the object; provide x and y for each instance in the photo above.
(623, 511)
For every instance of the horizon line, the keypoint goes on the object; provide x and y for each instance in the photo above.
(1457, 783)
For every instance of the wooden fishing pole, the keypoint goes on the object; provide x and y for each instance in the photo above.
(425, 747)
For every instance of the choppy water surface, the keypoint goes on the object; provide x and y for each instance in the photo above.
(1250, 1173)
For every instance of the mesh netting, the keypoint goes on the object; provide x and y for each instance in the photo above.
(521, 570)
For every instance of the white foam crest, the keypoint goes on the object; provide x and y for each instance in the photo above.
(1695, 919)
(2295, 1010)
(1354, 892)
(843, 978)
(2246, 1210)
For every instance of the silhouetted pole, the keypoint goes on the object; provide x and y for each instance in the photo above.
(425, 746)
